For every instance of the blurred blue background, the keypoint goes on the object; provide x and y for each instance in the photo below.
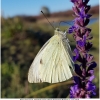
(33, 7)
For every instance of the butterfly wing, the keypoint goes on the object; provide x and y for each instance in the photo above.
(33, 74)
(52, 62)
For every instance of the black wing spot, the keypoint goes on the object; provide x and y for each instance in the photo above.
(41, 62)
(70, 67)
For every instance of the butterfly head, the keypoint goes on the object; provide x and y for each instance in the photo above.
(57, 31)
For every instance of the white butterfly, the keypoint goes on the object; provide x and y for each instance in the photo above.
(53, 61)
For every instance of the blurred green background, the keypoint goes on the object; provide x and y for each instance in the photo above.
(21, 39)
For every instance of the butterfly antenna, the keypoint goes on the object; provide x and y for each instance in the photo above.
(47, 20)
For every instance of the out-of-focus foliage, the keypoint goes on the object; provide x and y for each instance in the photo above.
(20, 42)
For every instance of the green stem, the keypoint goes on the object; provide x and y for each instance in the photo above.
(48, 88)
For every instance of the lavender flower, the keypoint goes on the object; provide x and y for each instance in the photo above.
(83, 86)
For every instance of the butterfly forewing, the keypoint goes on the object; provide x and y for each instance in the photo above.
(33, 74)
(52, 62)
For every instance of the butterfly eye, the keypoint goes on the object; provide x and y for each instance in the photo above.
(57, 29)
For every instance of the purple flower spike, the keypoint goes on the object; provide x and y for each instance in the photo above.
(83, 86)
